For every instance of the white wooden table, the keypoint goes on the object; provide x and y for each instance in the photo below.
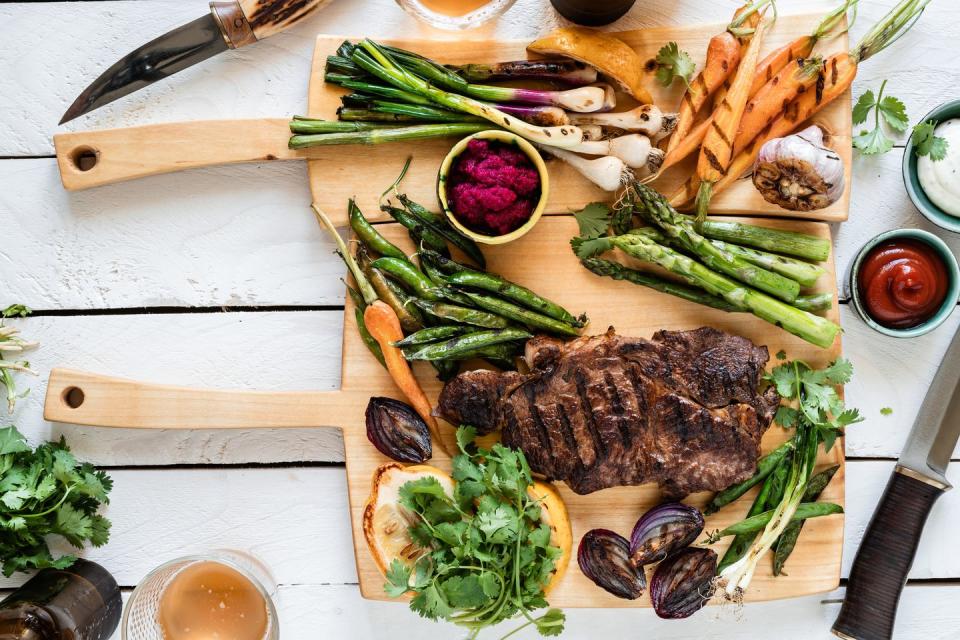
(222, 278)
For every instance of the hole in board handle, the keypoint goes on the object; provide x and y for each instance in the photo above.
(73, 397)
(84, 158)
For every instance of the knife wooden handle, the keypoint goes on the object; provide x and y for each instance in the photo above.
(883, 561)
(244, 22)
(94, 158)
(78, 397)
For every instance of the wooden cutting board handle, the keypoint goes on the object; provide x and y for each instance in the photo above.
(84, 398)
(94, 158)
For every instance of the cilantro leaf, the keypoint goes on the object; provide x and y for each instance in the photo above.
(464, 591)
(886, 411)
(551, 623)
(894, 113)
(12, 441)
(890, 109)
(398, 579)
(873, 142)
(593, 219)
(589, 247)
(926, 143)
(16, 310)
(865, 104)
(673, 63)
(781, 355)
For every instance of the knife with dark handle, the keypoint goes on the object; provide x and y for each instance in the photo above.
(890, 543)
(229, 25)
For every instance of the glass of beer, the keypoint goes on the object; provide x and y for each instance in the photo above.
(222, 594)
(455, 14)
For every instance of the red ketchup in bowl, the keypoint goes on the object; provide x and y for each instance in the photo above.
(902, 283)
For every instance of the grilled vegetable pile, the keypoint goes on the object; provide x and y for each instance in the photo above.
(398, 95)
(789, 485)
(711, 270)
(756, 101)
(448, 311)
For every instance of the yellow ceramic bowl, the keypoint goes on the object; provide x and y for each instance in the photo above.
(535, 158)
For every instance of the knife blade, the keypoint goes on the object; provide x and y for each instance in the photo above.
(883, 562)
(229, 25)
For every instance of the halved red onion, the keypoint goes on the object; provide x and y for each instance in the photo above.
(397, 431)
(664, 530)
(684, 583)
(604, 557)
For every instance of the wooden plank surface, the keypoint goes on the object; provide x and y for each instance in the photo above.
(549, 268)
(331, 175)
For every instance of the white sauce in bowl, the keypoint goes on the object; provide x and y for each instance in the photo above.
(941, 179)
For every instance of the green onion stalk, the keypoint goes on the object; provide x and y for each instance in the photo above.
(379, 62)
(378, 136)
(737, 576)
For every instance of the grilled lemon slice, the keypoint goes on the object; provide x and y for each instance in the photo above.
(386, 522)
(610, 56)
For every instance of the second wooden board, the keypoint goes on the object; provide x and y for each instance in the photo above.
(364, 171)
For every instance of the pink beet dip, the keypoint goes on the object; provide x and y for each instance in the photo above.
(492, 187)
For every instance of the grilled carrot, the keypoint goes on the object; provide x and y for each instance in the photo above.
(717, 150)
(836, 76)
(723, 57)
(383, 325)
(769, 67)
(773, 98)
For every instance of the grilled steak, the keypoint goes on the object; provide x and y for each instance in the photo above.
(681, 409)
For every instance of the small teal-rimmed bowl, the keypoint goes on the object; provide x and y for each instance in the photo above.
(953, 288)
(924, 205)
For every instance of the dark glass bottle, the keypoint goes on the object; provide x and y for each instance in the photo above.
(592, 12)
(78, 603)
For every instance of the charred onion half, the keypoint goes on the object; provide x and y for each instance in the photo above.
(663, 531)
(604, 557)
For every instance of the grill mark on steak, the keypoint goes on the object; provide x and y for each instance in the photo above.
(538, 425)
(681, 409)
(586, 410)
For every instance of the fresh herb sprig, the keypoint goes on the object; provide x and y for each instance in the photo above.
(813, 393)
(673, 63)
(12, 343)
(927, 143)
(811, 405)
(43, 492)
(892, 111)
(487, 554)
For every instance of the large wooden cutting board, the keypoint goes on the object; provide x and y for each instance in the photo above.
(365, 171)
(550, 268)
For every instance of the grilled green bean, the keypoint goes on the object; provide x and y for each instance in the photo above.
(432, 334)
(509, 290)
(409, 275)
(523, 316)
(464, 315)
(741, 543)
(406, 300)
(765, 467)
(788, 539)
(421, 233)
(756, 524)
(465, 345)
(359, 305)
(408, 321)
(442, 227)
(369, 236)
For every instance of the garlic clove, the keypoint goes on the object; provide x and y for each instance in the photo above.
(798, 172)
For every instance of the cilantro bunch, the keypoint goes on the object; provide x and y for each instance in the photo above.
(487, 556)
(43, 492)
